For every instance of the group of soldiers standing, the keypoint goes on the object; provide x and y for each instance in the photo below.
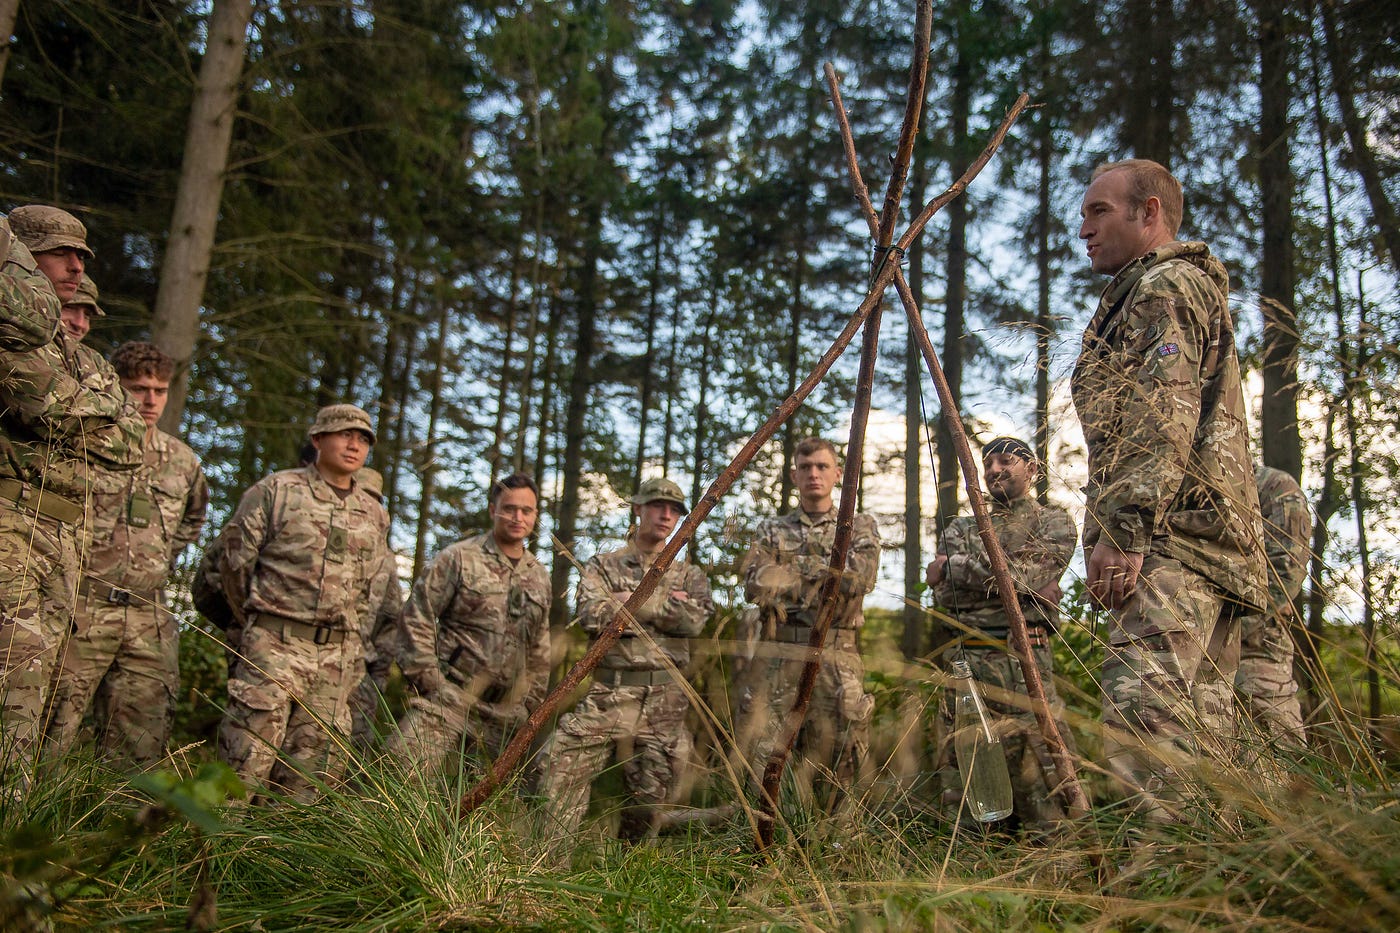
(96, 502)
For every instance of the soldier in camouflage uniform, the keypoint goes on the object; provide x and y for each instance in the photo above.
(475, 637)
(381, 643)
(1265, 676)
(637, 704)
(56, 422)
(123, 657)
(1172, 530)
(303, 562)
(783, 574)
(1039, 542)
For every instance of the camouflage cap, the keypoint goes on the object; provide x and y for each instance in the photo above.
(370, 480)
(1008, 445)
(43, 228)
(334, 418)
(87, 296)
(660, 489)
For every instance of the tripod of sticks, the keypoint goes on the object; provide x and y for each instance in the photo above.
(886, 272)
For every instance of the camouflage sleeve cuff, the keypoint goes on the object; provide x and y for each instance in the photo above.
(1128, 531)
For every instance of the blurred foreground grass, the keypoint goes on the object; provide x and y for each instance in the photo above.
(1311, 842)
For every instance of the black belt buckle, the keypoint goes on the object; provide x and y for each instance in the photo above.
(118, 597)
(322, 636)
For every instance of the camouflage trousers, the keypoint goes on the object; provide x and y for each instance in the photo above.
(38, 581)
(645, 725)
(1033, 778)
(441, 731)
(288, 716)
(123, 662)
(833, 744)
(1265, 679)
(1168, 685)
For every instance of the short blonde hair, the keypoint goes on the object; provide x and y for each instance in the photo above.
(1149, 179)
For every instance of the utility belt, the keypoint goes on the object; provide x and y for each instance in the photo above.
(837, 639)
(998, 638)
(41, 501)
(317, 633)
(611, 677)
(116, 595)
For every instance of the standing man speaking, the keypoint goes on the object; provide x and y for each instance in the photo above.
(1172, 528)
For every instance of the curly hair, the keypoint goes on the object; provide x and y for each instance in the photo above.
(135, 359)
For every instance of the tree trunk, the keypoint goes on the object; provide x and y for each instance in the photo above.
(955, 296)
(580, 387)
(1044, 275)
(1309, 663)
(1147, 120)
(1282, 447)
(185, 268)
(1362, 156)
(9, 10)
(429, 468)
(498, 430)
(912, 641)
(647, 388)
(1358, 385)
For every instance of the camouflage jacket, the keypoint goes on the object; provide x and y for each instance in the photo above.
(141, 520)
(1287, 529)
(788, 560)
(480, 619)
(62, 409)
(1038, 541)
(28, 306)
(1157, 389)
(382, 644)
(671, 622)
(294, 548)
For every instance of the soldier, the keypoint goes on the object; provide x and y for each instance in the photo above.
(381, 643)
(123, 657)
(1039, 542)
(783, 575)
(303, 562)
(1172, 527)
(1265, 676)
(58, 241)
(475, 636)
(54, 425)
(637, 701)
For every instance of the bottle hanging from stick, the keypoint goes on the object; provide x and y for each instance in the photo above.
(981, 760)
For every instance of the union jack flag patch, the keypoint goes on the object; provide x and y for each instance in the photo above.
(1167, 349)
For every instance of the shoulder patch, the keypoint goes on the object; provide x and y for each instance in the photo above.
(1167, 349)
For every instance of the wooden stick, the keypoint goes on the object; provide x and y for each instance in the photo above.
(855, 445)
(1065, 767)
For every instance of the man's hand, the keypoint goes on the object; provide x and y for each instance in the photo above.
(1050, 593)
(1112, 576)
(936, 569)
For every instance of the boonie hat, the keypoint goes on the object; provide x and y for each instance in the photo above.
(334, 418)
(87, 296)
(660, 489)
(43, 228)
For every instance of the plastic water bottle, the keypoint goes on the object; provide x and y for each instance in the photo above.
(981, 761)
